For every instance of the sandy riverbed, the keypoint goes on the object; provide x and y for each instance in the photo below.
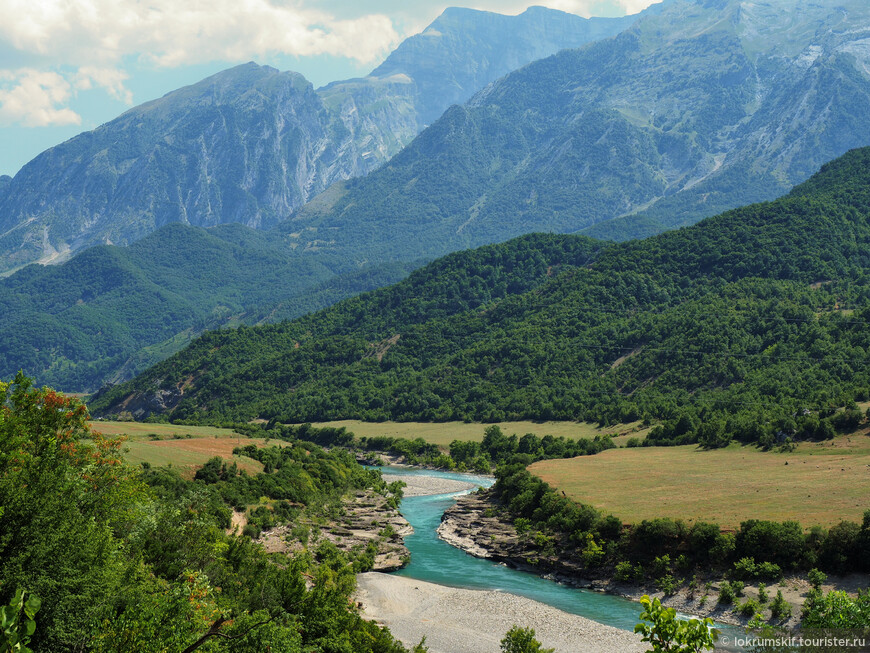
(419, 486)
(474, 621)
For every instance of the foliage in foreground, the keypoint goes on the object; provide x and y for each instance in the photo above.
(18, 623)
(123, 566)
(668, 634)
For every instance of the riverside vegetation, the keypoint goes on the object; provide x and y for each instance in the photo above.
(561, 535)
(155, 567)
(750, 326)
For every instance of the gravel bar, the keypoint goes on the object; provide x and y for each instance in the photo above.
(474, 621)
(419, 486)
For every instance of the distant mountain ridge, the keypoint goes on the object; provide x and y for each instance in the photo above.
(695, 109)
(247, 145)
(463, 50)
(252, 144)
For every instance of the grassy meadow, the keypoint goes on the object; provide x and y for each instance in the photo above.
(140, 430)
(444, 433)
(185, 447)
(817, 484)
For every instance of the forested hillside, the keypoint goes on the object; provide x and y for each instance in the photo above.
(751, 324)
(112, 312)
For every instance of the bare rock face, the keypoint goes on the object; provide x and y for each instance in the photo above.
(250, 145)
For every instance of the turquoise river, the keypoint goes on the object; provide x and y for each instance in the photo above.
(435, 561)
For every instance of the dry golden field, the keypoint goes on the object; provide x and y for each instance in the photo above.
(818, 484)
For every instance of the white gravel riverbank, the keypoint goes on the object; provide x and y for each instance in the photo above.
(474, 621)
(419, 486)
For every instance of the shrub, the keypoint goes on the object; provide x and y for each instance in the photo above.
(768, 571)
(593, 554)
(623, 572)
(522, 640)
(837, 610)
(749, 608)
(816, 578)
(658, 536)
(726, 593)
(779, 607)
(745, 568)
(661, 565)
(840, 549)
(668, 585)
(778, 542)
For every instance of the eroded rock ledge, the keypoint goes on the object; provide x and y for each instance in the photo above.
(367, 518)
(474, 524)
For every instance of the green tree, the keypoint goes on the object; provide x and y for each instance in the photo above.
(836, 609)
(522, 640)
(667, 634)
(66, 497)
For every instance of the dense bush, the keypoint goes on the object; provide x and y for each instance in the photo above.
(126, 561)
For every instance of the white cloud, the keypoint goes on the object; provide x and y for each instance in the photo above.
(110, 79)
(585, 8)
(635, 6)
(172, 33)
(35, 99)
(83, 43)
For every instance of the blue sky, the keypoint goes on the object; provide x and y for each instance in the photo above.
(67, 66)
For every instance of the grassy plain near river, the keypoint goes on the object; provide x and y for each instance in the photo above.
(443, 433)
(191, 446)
(185, 447)
(820, 483)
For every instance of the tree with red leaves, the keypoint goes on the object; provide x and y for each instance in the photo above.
(65, 497)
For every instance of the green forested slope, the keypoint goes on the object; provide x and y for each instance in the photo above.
(750, 324)
(113, 311)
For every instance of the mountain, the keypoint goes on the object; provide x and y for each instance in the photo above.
(111, 311)
(695, 109)
(748, 324)
(252, 144)
(247, 145)
(464, 50)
